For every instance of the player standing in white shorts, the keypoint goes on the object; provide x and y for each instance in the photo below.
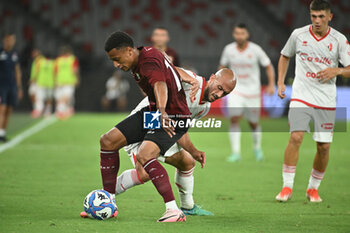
(222, 82)
(318, 49)
(244, 57)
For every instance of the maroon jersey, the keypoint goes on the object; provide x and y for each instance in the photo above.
(175, 58)
(152, 67)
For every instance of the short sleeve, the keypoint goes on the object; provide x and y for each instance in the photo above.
(152, 70)
(264, 60)
(224, 60)
(344, 51)
(289, 48)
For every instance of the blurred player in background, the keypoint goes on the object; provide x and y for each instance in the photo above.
(42, 75)
(218, 86)
(318, 49)
(117, 89)
(66, 74)
(160, 39)
(36, 55)
(244, 57)
(10, 82)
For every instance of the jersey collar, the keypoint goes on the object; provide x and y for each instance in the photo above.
(314, 36)
(202, 93)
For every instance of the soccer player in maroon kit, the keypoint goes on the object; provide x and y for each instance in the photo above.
(159, 79)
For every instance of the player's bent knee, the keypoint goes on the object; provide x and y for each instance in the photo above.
(296, 138)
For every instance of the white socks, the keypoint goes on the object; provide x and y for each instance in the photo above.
(171, 205)
(126, 180)
(256, 134)
(235, 138)
(315, 179)
(184, 181)
(288, 174)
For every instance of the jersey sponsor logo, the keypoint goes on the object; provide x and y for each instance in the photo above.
(151, 120)
(304, 43)
(311, 74)
(323, 60)
(327, 125)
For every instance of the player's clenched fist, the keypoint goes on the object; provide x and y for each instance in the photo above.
(199, 156)
(281, 91)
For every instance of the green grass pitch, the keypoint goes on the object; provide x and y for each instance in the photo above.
(44, 180)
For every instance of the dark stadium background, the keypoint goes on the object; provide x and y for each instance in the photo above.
(199, 30)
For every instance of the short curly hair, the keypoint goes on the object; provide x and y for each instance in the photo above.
(118, 40)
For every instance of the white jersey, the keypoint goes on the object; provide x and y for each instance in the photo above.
(246, 66)
(314, 55)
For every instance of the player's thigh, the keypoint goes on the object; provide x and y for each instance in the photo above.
(113, 140)
(299, 117)
(132, 127)
(324, 125)
(169, 153)
(182, 160)
(235, 107)
(148, 150)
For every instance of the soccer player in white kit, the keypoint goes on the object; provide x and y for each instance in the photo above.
(222, 82)
(245, 57)
(318, 49)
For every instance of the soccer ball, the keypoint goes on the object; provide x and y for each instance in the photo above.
(99, 204)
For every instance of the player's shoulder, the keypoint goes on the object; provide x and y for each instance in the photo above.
(301, 30)
(336, 34)
(149, 54)
(230, 46)
(254, 46)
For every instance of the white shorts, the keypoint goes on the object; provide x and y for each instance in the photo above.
(249, 107)
(64, 92)
(132, 150)
(43, 93)
(32, 89)
(300, 115)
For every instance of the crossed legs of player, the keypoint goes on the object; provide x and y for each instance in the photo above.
(299, 118)
(184, 179)
(239, 106)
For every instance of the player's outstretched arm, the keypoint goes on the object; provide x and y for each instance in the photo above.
(160, 90)
(283, 64)
(186, 143)
(329, 73)
(190, 80)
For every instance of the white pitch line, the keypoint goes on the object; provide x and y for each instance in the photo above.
(29, 132)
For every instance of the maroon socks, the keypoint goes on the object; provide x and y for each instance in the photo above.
(109, 169)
